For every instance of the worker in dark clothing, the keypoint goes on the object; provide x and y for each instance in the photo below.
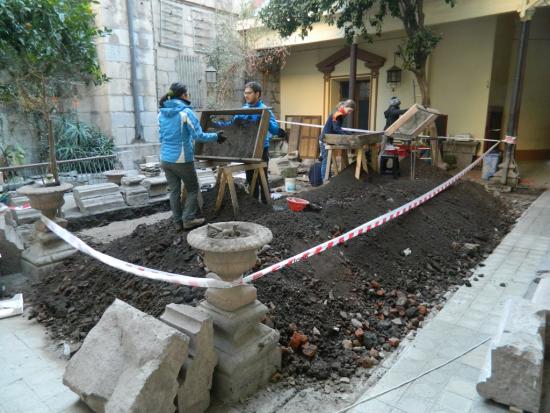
(334, 125)
(393, 112)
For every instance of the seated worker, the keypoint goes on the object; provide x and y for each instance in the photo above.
(334, 125)
(179, 128)
(393, 112)
(252, 97)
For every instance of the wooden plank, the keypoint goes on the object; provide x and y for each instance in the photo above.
(253, 182)
(221, 190)
(353, 140)
(309, 138)
(265, 187)
(232, 192)
(294, 134)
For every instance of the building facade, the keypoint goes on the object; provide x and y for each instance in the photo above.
(470, 73)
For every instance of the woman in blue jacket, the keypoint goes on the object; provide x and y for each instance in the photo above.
(179, 128)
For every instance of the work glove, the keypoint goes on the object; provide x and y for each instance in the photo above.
(281, 133)
(221, 137)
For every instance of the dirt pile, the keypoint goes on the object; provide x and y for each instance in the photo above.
(337, 311)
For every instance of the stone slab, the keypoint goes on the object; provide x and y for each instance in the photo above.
(196, 375)
(16, 217)
(514, 367)
(92, 191)
(156, 185)
(132, 180)
(129, 362)
(99, 204)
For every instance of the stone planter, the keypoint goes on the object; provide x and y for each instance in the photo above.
(47, 199)
(115, 176)
(46, 250)
(248, 351)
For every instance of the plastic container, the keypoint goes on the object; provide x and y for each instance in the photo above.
(290, 184)
(297, 204)
(490, 165)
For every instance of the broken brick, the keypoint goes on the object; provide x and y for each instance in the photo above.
(394, 342)
(297, 340)
(309, 350)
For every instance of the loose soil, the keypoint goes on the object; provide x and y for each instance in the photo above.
(335, 312)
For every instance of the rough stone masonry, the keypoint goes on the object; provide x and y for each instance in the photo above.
(196, 375)
(128, 363)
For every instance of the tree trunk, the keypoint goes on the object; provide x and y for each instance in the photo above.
(423, 85)
(51, 147)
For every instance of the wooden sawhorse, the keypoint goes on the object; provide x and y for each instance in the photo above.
(225, 178)
(361, 161)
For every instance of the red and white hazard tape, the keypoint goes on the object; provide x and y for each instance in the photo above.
(132, 268)
(369, 226)
(209, 282)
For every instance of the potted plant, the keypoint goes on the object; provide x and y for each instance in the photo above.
(47, 49)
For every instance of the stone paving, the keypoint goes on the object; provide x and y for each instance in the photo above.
(31, 372)
(471, 315)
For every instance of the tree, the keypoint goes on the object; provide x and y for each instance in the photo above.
(356, 17)
(47, 48)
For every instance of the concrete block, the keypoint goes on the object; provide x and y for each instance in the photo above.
(101, 203)
(18, 217)
(93, 191)
(513, 371)
(129, 362)
(196, 375)
(156, 185)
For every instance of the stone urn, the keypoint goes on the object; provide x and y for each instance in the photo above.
(115, 175)
(248, 350)
(47, 199)
(46, 249)
(230, 249)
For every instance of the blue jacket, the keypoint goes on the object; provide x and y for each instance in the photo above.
(273, 125)
(334, 125)
(179, 128)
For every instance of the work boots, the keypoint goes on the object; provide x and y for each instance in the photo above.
(193, 223)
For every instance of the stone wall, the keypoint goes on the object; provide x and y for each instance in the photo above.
(171, 38)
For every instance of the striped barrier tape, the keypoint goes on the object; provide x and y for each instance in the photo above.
(209, 282)
(132, 268)
(310, 125)
(369, 226)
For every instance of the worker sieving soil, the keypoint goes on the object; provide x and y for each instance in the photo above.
(353, 302)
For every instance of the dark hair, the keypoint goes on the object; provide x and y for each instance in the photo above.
(255, 86)
(176, 90)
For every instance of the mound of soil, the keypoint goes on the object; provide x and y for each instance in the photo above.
(353, 302)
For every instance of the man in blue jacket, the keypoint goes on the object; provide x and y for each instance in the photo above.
(252, 97)
(179, 129)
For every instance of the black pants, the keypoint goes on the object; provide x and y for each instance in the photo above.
(257, 191)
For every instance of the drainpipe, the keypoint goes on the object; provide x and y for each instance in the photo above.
(133, 69)
(517, 88)
(352, 76)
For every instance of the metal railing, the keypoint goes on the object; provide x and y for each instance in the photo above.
(80, 171)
